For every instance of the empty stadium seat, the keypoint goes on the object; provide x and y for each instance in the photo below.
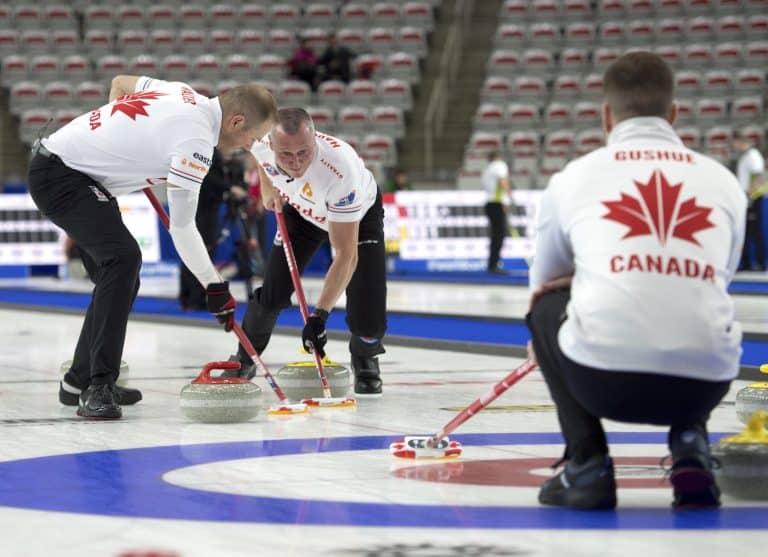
(76, 68)
(381, 40)
(528, 86)
(688, 83)
(59, 16)
(504, 63)
(221, 41)
(489, 117)
(566, 86)
(35, 41)
(222, 16)
(192, 42)
(129, 16)
(294, 93)
(321, 15)
(385, 14)
(271, 67)
(144, 64)
(65, 41)
(354, 119)
(250, 42)
(395, 92)
(45, 67)
(98, 42)
(332, 93)
(99, 16)
(32, 122)
(747, 109)
(131, 42)
(176, 67)
(162, 16)
(388, 120)
(58, 94)
(192, 16)
(9, 42)
(24, 95)
(362, 92)
(27, 16)
(253, 16)
(401, 65)
(523, 115)
(240, 67)
(485, 142)
(691, 136)
(284, 16)
(497, 89)
(89, 95)
(281, 42)
(323, 117)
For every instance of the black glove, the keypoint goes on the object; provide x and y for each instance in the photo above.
(221, 303)
(313, 336)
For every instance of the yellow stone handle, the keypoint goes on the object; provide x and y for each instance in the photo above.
(764, 368)
(754, 432)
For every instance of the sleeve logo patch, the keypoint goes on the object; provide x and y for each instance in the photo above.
(271, 170)
(346, 200)
(203, 159)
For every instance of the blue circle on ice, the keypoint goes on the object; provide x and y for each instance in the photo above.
(128, 483)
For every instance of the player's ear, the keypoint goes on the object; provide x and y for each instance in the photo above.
(237, 121)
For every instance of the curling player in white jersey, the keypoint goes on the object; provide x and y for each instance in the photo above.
(325, 193)
(631, 318)
(151, 132)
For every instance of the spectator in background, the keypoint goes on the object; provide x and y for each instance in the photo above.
(750, 170)
(303, 64)
(495, 180)
(215, 185)
(399, 181)
(336, 61)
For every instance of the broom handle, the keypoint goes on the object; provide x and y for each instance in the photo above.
(495, 392)
(249, 349)
(293, 268)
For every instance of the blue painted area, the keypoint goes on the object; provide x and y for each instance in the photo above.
(128, 483)
(416, 326)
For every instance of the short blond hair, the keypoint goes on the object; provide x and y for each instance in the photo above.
(254, 102)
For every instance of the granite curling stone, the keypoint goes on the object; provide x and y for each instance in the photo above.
(220, 400)
(300, 380)
(752, 398)
(743, 458)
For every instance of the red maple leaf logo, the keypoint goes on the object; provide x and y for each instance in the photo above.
(658, 212)
(133, 105)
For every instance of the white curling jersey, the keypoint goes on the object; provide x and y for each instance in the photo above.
(654, 232)
(336, 187)
(164, 131)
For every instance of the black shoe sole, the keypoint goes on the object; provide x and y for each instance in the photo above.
(105, 414)
(695, 488)
(583, 500)
(365, 390)
(68, 399)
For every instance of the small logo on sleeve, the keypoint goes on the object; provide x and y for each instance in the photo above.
(347, 200)
(271, 170)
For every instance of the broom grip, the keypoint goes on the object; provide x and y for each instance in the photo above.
(495, 392)
(242, 337)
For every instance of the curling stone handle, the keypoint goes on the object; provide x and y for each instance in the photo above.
(205, 374)
(764, 368)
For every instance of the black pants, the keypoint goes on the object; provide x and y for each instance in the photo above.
(583, 395)
(366, 292)
(498, 230)
(91, 217)
(191, 292)
(754, 236)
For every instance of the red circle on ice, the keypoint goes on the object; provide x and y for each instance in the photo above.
(631, 472)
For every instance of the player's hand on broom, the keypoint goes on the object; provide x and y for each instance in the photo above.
(221, 303)
(555, 284)
(531, 352)
(314, 337)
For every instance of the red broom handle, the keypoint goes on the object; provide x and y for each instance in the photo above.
(496, 391)
(293, 268)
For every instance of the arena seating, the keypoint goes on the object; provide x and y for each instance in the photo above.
(540, 101)
(58, 58)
